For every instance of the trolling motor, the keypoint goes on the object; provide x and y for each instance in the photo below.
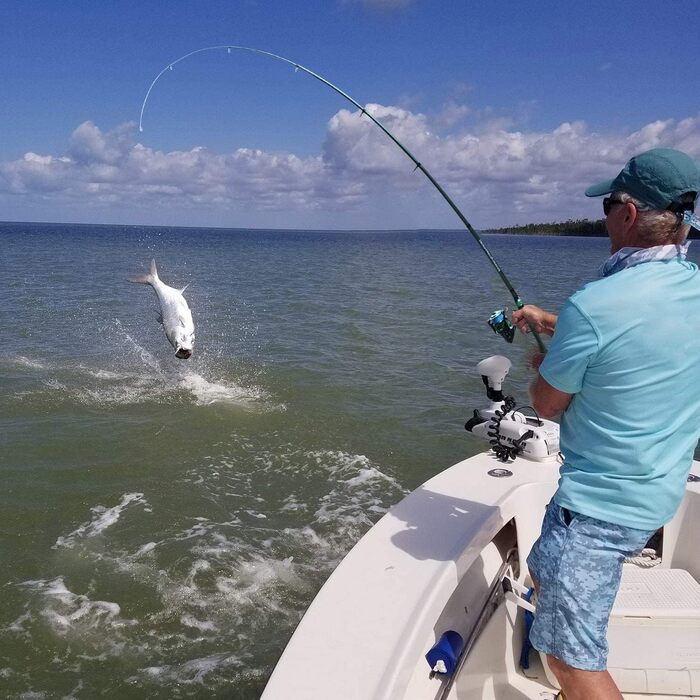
(510, 432)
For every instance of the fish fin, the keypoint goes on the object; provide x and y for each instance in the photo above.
(182, 291)
(148, 278)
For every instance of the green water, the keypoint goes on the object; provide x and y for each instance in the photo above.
(165, 523)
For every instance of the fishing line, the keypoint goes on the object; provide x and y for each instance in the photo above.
(500, 325)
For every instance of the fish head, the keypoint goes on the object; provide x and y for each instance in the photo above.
(184, 343)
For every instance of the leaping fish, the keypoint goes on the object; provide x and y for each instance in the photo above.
(175, 315)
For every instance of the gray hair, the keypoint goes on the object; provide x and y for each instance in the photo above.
(658, 227)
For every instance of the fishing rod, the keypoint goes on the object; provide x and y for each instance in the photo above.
(498, 321)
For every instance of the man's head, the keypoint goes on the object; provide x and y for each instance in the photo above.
(648, 198)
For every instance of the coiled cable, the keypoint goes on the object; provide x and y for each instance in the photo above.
(503, 451)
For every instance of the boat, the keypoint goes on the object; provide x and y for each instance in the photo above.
(434, 601)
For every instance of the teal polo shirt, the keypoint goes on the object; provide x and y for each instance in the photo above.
(628, 348)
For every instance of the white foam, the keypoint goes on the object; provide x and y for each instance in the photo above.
(105, 374)
(192, 621)
(257, 573)
(139, 377)
(22, 361)
(205, 391)
(260, 516)
(101, 520)
(291, 504)
(66, 611)
(55, 385)
(208, 392)
(307, 537)
(219, 580)
(144, 549)
(202, 527)
(230, 585)
(194, 671)
(198, 566)
(110, 387)
(368, 474)
(19, 624)
(136, 392)
(350, 493)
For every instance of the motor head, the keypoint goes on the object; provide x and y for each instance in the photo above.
(493, 371)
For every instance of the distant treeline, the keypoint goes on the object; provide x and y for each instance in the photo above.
(572, 227)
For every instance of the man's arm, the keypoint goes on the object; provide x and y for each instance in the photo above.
(546, 400)
(575, 342)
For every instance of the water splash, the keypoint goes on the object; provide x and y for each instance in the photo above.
(102, 518)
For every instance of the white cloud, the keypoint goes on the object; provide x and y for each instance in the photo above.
(89, 145)
(452, 113)
(496, 174)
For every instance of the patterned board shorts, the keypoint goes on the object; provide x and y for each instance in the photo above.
(578, 563)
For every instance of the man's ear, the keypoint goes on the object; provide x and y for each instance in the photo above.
(629, 236)
(630, 215)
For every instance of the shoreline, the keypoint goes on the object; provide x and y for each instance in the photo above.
(249, 229)
(552, 229)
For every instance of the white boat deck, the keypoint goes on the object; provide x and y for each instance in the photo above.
(427, 567)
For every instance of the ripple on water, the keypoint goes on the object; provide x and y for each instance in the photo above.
(223, 593)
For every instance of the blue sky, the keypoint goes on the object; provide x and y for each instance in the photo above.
(515, 107)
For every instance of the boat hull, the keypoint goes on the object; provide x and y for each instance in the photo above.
(428, 566)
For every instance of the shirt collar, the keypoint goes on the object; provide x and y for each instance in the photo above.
(629, 257)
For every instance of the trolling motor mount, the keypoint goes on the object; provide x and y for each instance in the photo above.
(509, 430)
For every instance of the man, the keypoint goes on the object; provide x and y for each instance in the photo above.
(623, 368)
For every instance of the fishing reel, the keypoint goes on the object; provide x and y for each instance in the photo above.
(511, 432)
(501, 325)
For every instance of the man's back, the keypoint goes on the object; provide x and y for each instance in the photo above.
(628, 348)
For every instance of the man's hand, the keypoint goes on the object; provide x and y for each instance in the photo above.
(531, 315)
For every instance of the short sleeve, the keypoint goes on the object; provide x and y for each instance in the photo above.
(574, 343)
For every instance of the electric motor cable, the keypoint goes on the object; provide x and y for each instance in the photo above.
(502, 451)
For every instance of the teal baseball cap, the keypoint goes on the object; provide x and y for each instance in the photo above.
(657, 177)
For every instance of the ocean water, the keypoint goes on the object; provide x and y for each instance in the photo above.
(165, 523)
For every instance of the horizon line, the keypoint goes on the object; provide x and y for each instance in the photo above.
(499, 230)
(244, 228)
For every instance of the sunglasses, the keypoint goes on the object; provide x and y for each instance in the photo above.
(608, 203)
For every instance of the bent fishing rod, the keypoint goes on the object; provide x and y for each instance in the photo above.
(498, 321)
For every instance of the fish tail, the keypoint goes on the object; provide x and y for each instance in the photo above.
(149, 278)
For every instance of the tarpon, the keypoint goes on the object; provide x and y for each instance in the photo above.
(175, 315)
